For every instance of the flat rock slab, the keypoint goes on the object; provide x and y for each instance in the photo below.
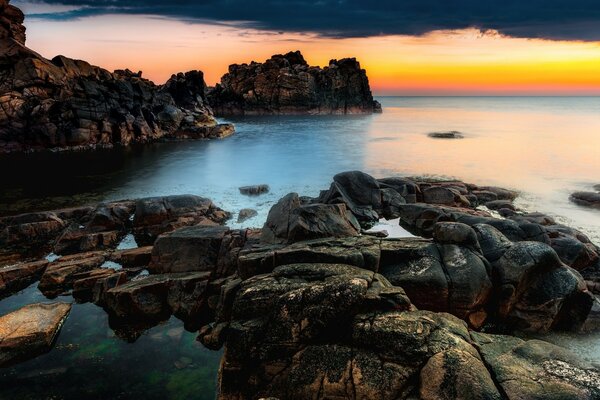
(30, 331)
(17, 277)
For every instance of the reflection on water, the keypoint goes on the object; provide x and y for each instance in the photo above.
(90, 362)
(544, 147)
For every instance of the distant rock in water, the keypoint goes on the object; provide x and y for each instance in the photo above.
(254, 190)
(286, 84)
(66, 103)
(446, 135)
(588, 199)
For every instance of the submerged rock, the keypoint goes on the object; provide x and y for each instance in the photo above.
(286, 84)
(30, 331)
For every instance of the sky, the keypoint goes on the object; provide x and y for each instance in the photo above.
(417, 47)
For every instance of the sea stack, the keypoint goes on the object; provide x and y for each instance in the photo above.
(286, 84)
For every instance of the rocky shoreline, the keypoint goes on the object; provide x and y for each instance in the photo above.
(307, 306)
(67, 104)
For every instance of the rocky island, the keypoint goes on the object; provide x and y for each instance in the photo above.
(286, 84)
(308, 306)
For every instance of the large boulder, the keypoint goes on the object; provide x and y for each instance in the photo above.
(536, 291)
(449, 275)
(30, 331)
(286, 84)
(588, 199)
(290, 221)
(194, 248)
(156, 215)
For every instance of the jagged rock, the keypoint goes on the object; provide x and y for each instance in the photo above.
(194, 248)
(156, 215)
(286, 84)
(361, 194)
(537, 370)
(66, 103)
(30, 331)
(17, 277)
(290, 221)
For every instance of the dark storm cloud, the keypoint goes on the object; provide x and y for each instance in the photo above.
(552, 19)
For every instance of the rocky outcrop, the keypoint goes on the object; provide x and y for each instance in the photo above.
(66, 103)
(286, 84)
(30, 331)
(337, 331)
(101, 227)
(308, 307)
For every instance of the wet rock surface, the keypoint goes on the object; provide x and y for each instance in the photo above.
(66, 103)
(286, 84)
(30, 331)
(308, 306)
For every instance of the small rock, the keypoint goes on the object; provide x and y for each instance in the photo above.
(245, 214)
(446, 135)
(254, 190)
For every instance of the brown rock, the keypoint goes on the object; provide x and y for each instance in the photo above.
(30, 331)
(17, 277)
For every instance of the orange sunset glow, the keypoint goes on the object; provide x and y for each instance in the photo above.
(460, 62)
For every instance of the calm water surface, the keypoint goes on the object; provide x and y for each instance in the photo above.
(544, 147)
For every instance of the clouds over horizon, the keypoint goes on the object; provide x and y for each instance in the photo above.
(545, 19)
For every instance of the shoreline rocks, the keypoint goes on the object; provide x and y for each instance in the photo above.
(286, 84)
(308, 306)
(66, 103)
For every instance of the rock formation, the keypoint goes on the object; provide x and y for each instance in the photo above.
(286, 84)
(308, 307)
(66, 103)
